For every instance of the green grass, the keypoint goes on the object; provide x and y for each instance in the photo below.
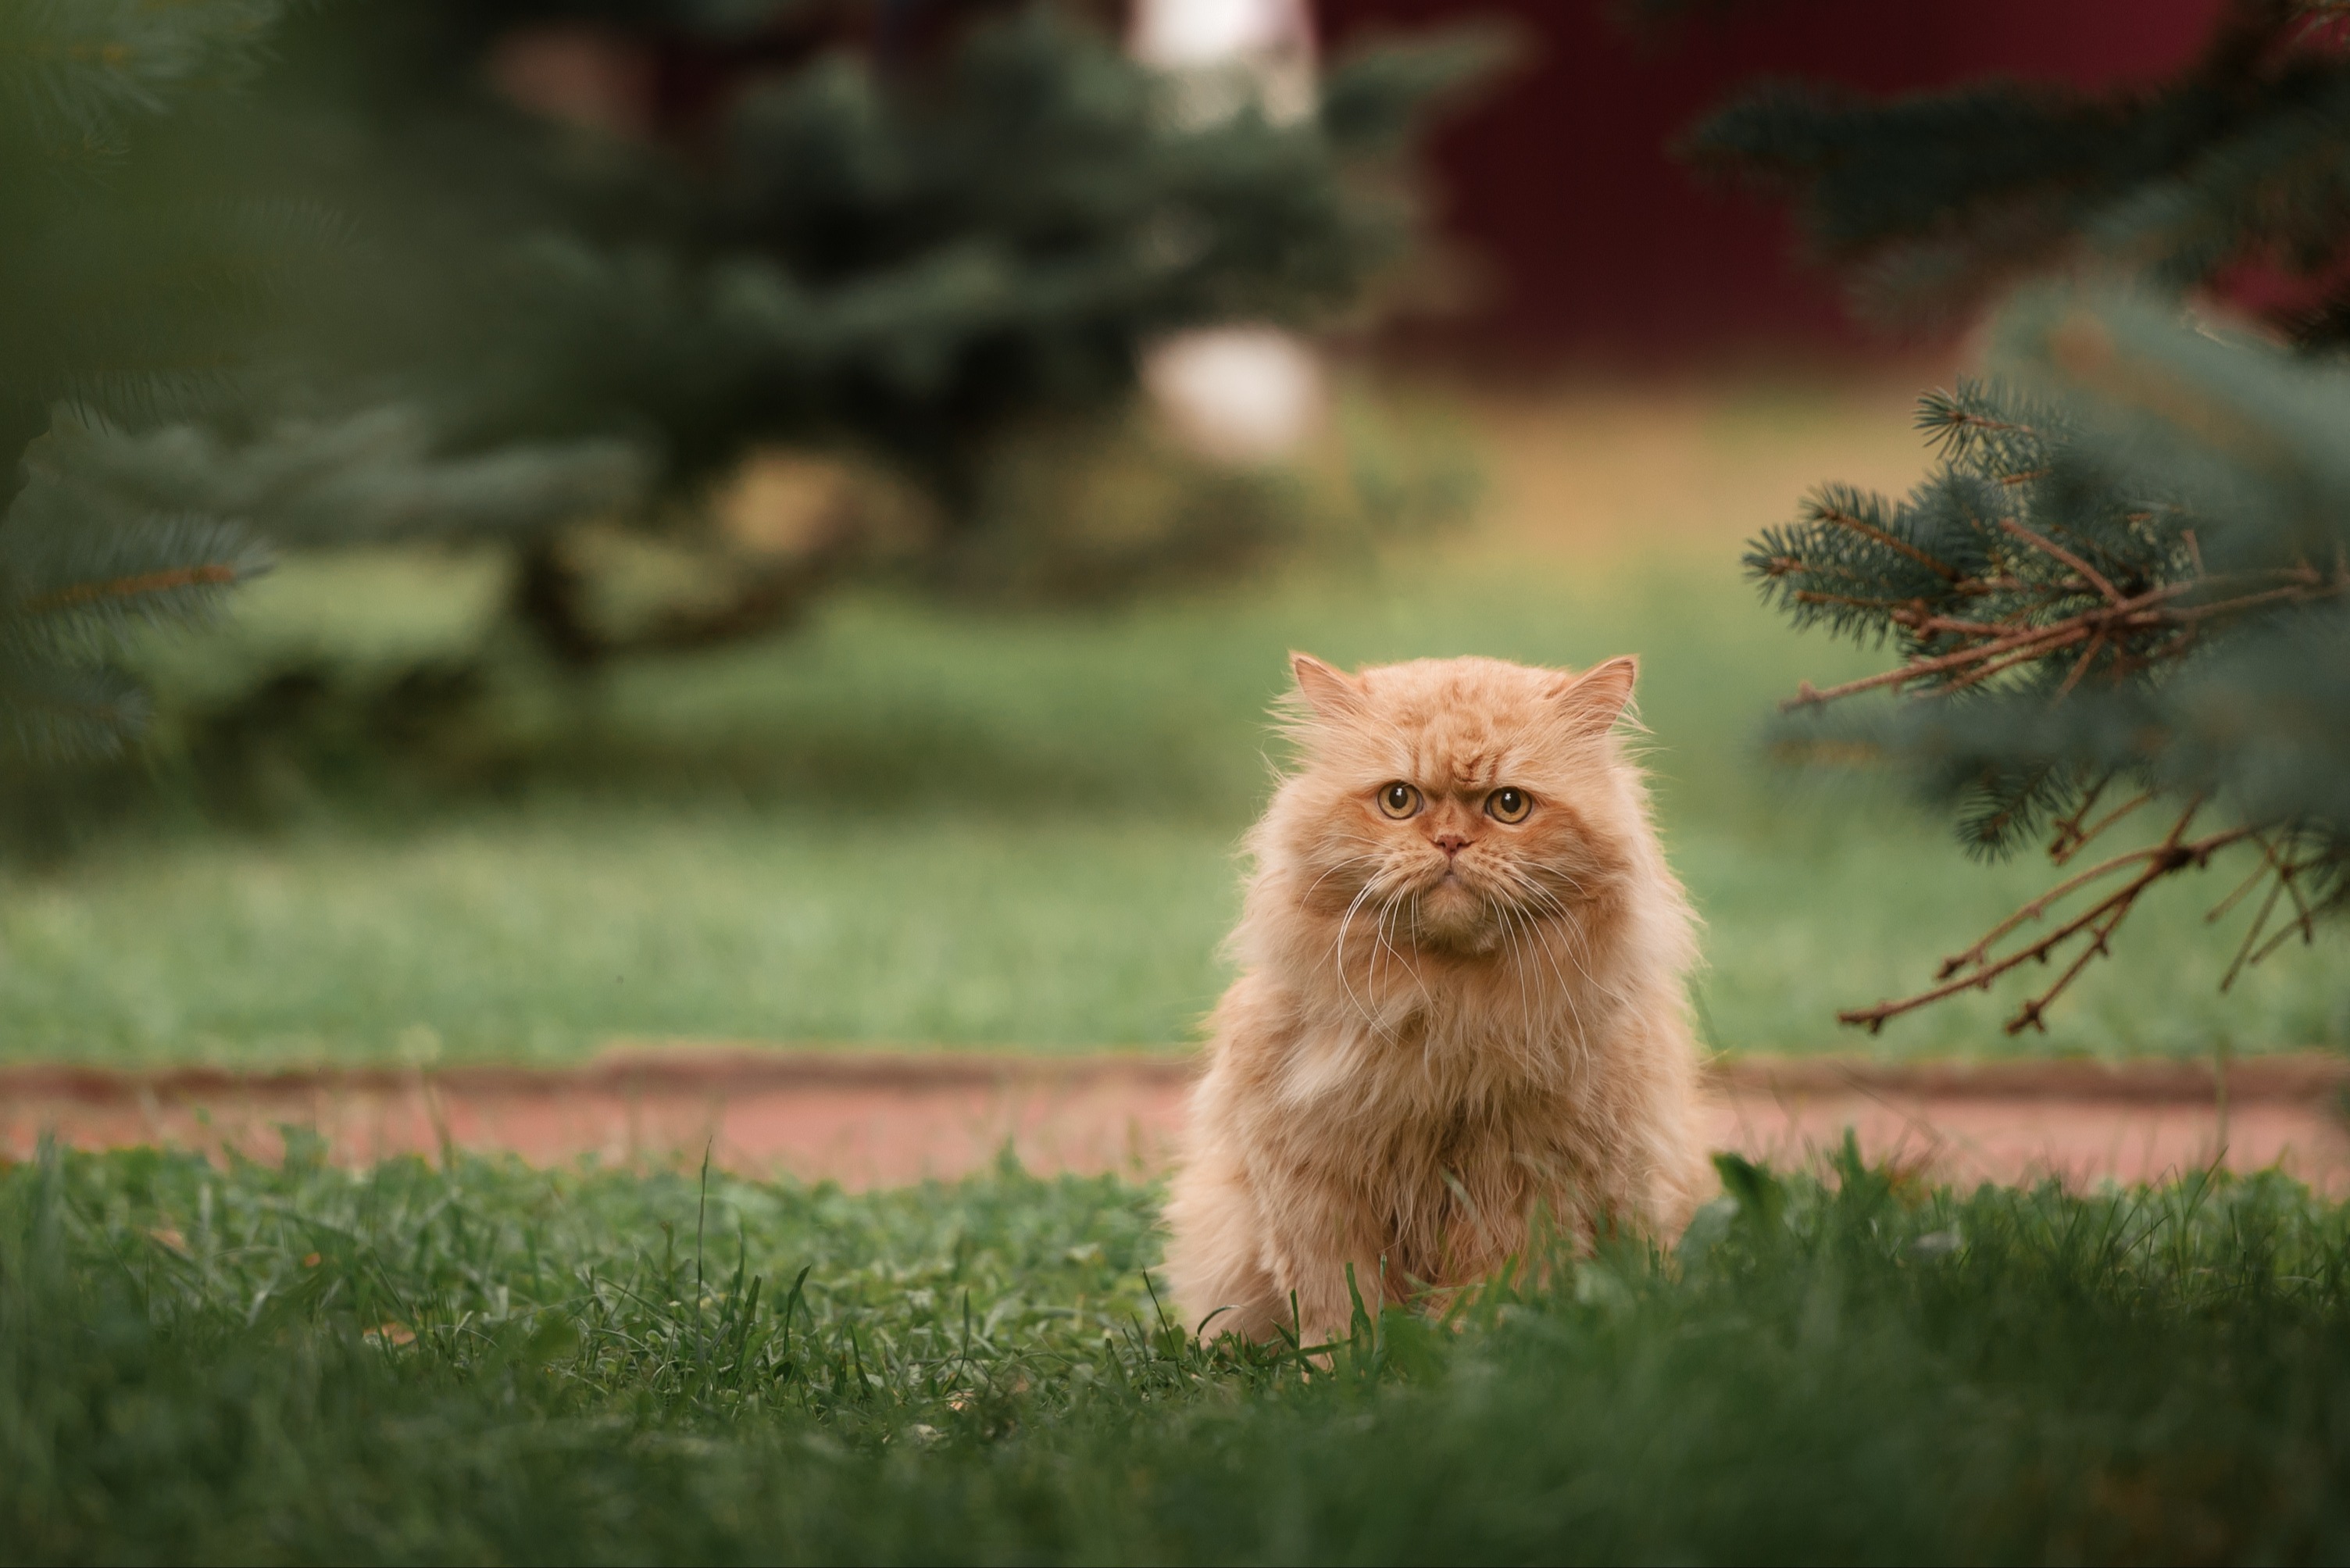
(540, 934)
(490, 1364)
(909, 824)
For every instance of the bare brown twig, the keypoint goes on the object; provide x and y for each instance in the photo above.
(2276, 861)
(2061, 852)
(2174, 853)
(2068, 837)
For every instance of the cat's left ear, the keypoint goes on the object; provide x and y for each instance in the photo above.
(1592, 701)
(1329, 693)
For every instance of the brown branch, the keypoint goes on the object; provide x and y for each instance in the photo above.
(2079, 667)
(2033, 1013)
(2067, 834)
(2026, 656)
(1973, 421)
(2141, 613)
(1807, 694)
(131, 588)
(1919, 621)
(1869, 530)
(2219, 911)
(2082, 837)
(2308, 917)
(2302, 924)
(2194, 613)
(2172, 854)
(1978, 954)
(2090, 574)
(1817, 597)
(2304, 918)
(2259, 920)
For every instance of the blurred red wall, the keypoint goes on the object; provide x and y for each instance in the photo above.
(1591, 242)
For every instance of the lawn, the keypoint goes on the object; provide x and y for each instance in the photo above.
(917, 824)
(484, 1363)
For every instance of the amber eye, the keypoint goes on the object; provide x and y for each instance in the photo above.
(1509, 805)
(1399, 800)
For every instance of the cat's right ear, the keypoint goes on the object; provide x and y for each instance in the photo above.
(1592, 701)
(1331, 693)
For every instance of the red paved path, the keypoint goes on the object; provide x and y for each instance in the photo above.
(877, 1119)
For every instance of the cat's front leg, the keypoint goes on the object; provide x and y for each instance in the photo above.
(1260, 1256)
(1321, 1255)
(1215, 1249)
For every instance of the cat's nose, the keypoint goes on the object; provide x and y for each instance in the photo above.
(1451, 843)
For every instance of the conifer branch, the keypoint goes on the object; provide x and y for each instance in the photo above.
(2004, 647)
(2080, 666)
(1843, 519)
(212, 575)
(2089, 574)
(2136, 527)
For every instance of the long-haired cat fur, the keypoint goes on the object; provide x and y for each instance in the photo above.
(1461, 1001)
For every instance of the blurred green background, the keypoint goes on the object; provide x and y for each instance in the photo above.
(917, 823)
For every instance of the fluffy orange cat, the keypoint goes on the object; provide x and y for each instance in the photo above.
(1461, 1001)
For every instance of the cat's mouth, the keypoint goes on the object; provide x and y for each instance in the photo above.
(1452, 912)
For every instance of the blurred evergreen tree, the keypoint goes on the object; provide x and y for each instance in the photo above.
(133, 284)
(687, 229)
(2119, 596)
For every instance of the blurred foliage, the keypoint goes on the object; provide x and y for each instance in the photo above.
(2123, 586)
(536, 274)
(132, 289)
(895, 235)
(1936, 203)
(414, 676)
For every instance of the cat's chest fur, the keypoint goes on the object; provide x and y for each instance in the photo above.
(1436, 1099)
(1434, 1160)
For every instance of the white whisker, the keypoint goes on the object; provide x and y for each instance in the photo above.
(1338, 948)
(1386, 910)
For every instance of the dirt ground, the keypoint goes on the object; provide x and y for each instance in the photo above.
(870, 1119)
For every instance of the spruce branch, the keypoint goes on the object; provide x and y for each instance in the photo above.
(118, 589)
(2001, 647)
(2084, 597)
(2148, 516)
(2089, 574)
(1843, 518)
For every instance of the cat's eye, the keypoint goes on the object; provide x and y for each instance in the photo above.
(1509, 805)
(1399, 800)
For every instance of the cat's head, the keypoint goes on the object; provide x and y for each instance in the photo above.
(1450, 801)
